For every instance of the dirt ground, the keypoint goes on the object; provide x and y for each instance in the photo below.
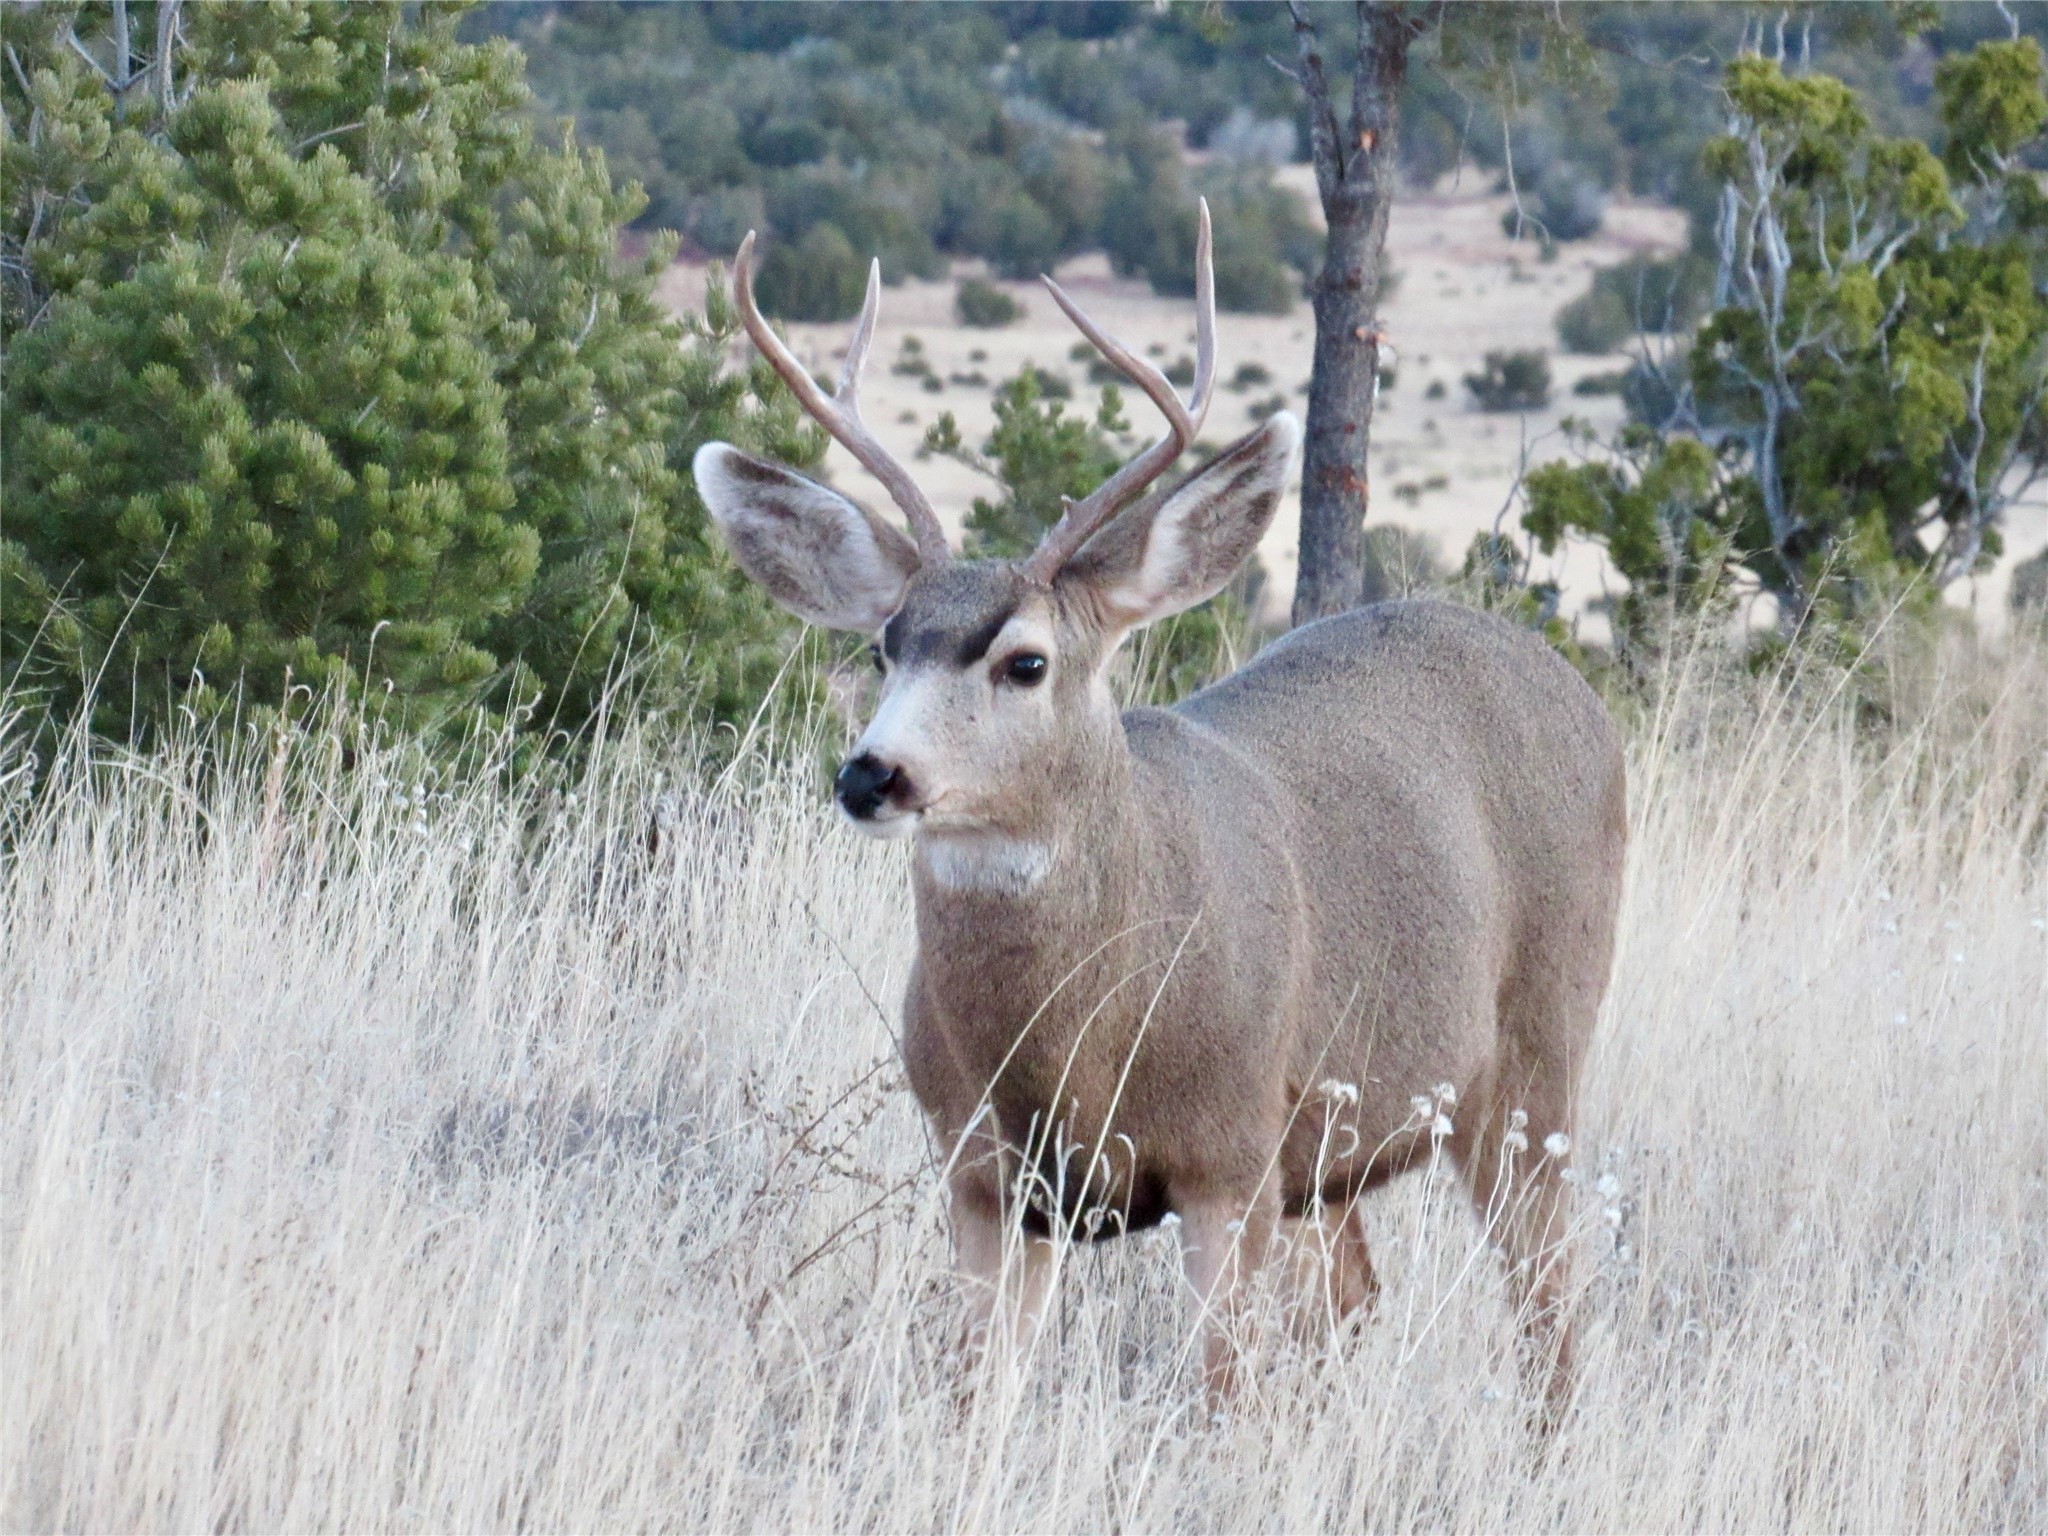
(1440, 466)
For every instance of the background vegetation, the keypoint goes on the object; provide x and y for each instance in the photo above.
(321, 368)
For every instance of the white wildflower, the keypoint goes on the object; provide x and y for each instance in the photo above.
(1338, 1093)
(1440, 1127)
(1556, 1144)
(1422, 1107)
(1515, 1141)
(1607, 1186)
(1518, 1119)
(1447, 1094)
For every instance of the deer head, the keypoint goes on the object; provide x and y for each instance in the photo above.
(994, 700)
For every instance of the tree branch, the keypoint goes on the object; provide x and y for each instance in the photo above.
(306, 144)
(1325, 138)
(168, 22)
(94, 64)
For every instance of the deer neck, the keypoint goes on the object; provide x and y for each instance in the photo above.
(1069, 854)
(1021, 943)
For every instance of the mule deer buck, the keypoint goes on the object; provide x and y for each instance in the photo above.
(1201, 960)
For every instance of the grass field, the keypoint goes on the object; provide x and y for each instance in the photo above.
(387, 1152)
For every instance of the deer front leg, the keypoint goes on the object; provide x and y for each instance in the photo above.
(1225, 1238)
(1334, 1281)
(1005, 1275)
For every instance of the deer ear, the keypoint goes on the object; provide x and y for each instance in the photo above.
(827, 559)
(1172, 553)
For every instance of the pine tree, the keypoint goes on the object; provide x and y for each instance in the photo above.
(320, 369)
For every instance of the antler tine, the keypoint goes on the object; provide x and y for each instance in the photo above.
(839, 413)
(863, 337)
(1082, 518)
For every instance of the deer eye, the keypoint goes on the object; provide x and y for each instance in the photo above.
(1026, 669)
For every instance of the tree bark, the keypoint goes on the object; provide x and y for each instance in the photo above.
(1356, 165)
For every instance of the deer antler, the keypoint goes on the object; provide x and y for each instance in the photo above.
(839, 413)
(1082, 518)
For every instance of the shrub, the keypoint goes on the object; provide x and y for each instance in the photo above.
(1847, 432)
(1051, 386)
(2028, 594)
(719, 220)
(879, 215)
(1641, 296)
(1040, 454)
(1017, 236)
(1511, 381)
(983, 304)
(1567, 203)
(818, 278)
(1263, 236)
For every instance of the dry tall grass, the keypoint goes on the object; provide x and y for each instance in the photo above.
(384, 1154)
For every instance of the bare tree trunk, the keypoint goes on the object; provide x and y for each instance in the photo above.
(1356, 167)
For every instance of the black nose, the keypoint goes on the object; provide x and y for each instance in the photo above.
(864, 782)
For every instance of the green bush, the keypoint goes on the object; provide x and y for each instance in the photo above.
(1641, 296)
(1567, 203)
(983, 304)
(1263, 237)
(1038, 454)
(1511, 381)
(997, 218)
(819, 277)
(322, 371)
(881, 216)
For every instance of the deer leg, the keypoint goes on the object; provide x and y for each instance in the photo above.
(1515, 1185)
(1333, 1281)
(1005, 1275)
(1225, 1239)
(1354, 1283)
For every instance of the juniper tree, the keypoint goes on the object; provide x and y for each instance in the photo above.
(1867, 397)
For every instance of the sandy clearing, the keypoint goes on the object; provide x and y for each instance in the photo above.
(1440, 466)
